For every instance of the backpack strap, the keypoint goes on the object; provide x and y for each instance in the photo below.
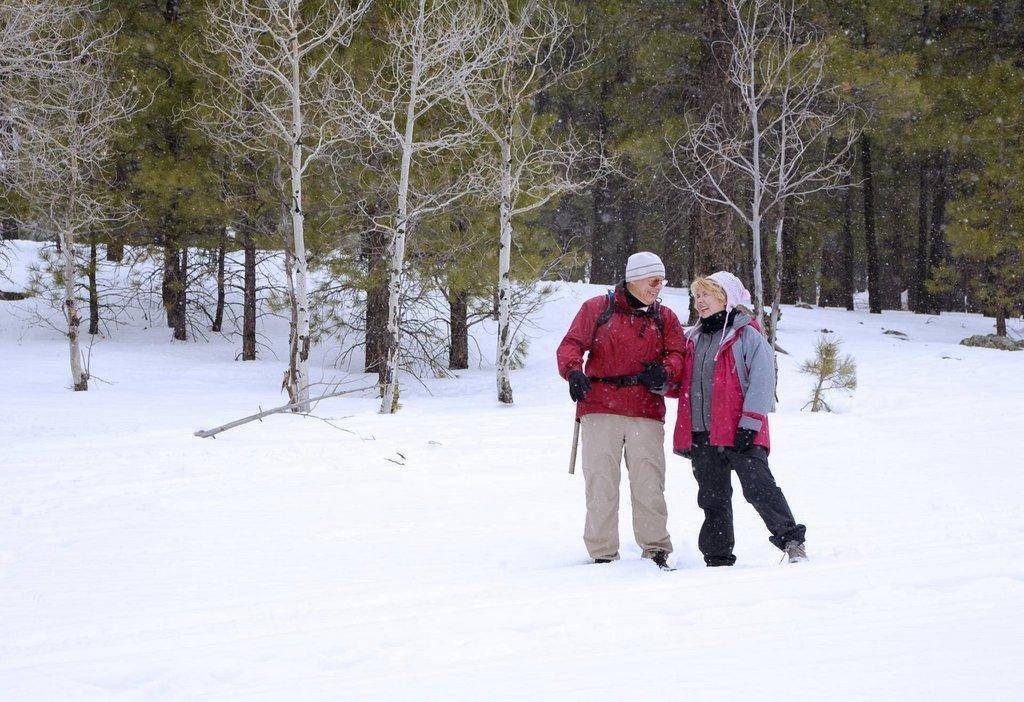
(609, 309)
(654, 312)
(605, 315)
(658, 321)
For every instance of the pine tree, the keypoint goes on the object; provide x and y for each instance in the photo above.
(872, 54)
(167, 170)
(987, 218)
(830, 373)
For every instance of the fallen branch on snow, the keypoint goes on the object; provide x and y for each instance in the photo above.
(206, 433)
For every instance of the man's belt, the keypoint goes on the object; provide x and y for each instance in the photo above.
(619, 381)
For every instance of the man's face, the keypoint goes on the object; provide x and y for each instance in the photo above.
(707, 303)
(647, 289)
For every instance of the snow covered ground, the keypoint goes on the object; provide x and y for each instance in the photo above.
(437, 554)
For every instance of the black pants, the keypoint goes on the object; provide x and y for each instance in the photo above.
(712, 467)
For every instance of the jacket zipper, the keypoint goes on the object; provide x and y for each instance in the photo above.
(703, 398)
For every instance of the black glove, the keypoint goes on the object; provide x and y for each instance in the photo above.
(655, 377)
(744, 439)
(579, 385)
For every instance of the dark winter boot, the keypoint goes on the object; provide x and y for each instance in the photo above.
(660, 559)
(795, 552)
(602, 560)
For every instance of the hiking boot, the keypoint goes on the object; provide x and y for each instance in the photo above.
(660, 559)
(602, 560)
(795, 552)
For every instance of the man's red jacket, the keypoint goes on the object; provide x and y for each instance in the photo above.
(621, 346)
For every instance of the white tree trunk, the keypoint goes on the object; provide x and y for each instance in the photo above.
(298, 221)
(389, 398)
(755, 233)
(755, 209)
(777, 291)
(79, 380)
(504, 280)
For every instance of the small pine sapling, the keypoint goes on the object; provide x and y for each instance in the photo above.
(517, 356)
(830, 373)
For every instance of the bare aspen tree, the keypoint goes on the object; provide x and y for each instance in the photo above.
(39, 39)
(285, 93)
(34, 43)
(792, 138)
(432, 51)
(67, 174)
(530, 165)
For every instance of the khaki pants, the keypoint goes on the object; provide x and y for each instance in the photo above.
(604, 437)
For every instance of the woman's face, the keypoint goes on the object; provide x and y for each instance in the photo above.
(647, 289)
(707, 303)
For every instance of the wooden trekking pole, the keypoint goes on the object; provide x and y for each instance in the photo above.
(575, 442)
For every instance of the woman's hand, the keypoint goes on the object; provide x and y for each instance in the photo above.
(744, 439)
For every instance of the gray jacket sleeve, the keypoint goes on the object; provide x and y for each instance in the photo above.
(759, 396)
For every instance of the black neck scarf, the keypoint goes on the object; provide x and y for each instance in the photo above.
(632, 299)
(716, 322)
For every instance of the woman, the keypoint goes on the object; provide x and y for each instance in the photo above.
(726, 392)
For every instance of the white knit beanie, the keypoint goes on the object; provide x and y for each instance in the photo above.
(643, 264)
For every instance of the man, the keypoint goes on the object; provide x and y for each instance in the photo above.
(635, 348)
